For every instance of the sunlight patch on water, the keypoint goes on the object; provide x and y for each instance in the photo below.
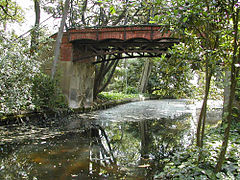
(147, 109)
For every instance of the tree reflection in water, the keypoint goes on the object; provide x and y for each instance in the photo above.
(125, 149)
(137, 148)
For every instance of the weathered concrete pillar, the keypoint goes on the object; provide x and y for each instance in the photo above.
(81, 85)
(81, 78)
(76, 77)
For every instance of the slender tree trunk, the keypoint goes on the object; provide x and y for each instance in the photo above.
(227, 80)
(227, 122)
(234, 74)
(59, 38)
(125, 77)
(145, 76)
(84, 7)
(35, 32)
(208, 84)
(202, 116)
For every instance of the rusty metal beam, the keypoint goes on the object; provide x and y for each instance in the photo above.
(113, 49)
(129, 57)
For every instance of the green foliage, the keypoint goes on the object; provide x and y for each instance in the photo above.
(46, 93)
(10, 12)
(215, 25)
(16, 72)
(184, 165)
(189, 60)
(206, 31)
(116, 96)
(171, 77)
(23, 87)
(236, 109)
(131, 90)
(102, 13)
(238, 89)
(126, 76)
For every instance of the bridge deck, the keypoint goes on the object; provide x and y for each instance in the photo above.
(111, 43)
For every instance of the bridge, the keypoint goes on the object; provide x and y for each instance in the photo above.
(82, 48)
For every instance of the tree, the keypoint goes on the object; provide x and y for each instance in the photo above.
(204, 24)
(234, 10)
(9, 12)
(104, 13)
(126, 76)
(215, 24)
(143, 82)
(35, 31)
(170, 76)
(59, 38)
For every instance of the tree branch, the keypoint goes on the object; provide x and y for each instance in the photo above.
(120, 17)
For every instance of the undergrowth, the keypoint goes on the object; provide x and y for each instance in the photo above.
(184, 164)
(116, 96)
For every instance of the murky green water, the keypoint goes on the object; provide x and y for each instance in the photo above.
(126, 142)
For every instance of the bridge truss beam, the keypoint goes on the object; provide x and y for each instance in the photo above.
(112, 49)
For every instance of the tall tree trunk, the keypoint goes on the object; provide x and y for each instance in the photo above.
(227, 122)
(145, 76)
(84, 7)
(202, 117)
(59, 38)
(35, 32)
(227, 80)
(235, 60)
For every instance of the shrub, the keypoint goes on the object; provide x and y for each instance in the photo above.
(46, 93)
(23, 87)
(16, 72)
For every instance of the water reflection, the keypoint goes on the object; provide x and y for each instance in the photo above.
(126, 142)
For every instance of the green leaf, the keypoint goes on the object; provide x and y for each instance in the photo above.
(152, 22)
(112, 10)
(225, 125)
(185, 19)
(175, 11)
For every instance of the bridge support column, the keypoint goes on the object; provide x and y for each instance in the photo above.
(81, 85)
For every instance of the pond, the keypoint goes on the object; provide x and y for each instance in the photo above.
(129, 141)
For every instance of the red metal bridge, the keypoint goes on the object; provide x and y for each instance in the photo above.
(112, 43)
